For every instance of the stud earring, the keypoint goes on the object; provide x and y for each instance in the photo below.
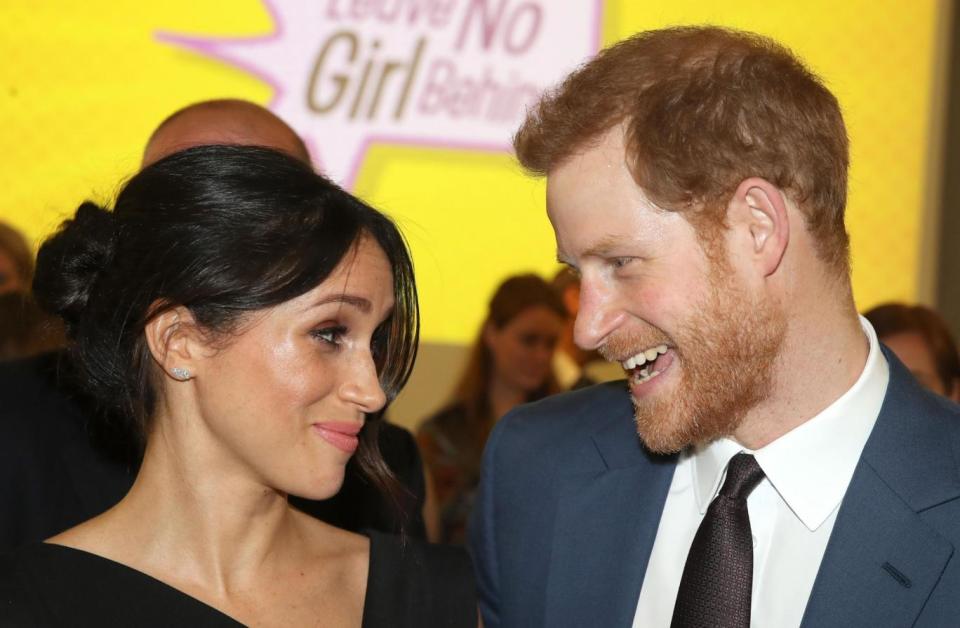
(180, 373)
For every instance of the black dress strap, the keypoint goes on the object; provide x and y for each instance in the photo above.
(413, 584)
(53, 585)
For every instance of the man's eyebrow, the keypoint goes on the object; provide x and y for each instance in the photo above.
(360, 303)
(600, 248)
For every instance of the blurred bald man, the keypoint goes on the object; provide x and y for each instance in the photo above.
(55, 472)
(226, 121)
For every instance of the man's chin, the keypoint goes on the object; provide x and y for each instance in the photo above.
(663, 434)
(663, 443)
(667, 432)
(661, 424)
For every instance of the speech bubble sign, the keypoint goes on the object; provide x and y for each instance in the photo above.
(444, 73)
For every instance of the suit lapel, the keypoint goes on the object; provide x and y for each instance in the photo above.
(881, 563)
(603, 532)
(883, 560)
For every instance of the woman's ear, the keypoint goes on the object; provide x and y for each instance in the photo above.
(175, 342)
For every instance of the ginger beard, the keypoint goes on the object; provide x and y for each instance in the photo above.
(725, 353)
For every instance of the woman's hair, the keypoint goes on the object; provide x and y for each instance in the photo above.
(515, 295)
(223, 231)
(898, 318)
(15, 245)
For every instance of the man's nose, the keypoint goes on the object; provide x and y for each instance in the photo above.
(597, 317)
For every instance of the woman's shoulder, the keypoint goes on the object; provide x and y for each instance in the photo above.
(400, 556)
(414, 583)
(28, 566)
(21, 571)
(45, 584)
(327, 544)
(40, 582)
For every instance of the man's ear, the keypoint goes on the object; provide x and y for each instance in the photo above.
(175, 341)
(760, 207)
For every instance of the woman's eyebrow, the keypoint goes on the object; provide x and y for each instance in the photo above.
(361, 303)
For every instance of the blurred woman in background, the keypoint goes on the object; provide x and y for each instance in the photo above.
(16, 261)
(509, 364)
(920, 338)
(25, 329)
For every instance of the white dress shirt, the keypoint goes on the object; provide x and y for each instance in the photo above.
(792, 510)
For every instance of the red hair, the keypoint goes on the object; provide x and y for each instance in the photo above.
(703, 109)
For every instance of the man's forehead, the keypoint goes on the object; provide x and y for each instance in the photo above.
(614, 227)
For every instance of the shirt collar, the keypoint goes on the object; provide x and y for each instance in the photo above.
(810, 466)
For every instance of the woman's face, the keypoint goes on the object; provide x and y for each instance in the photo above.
(286, 397)
(523, 349)
(9, 275)
(912, 349)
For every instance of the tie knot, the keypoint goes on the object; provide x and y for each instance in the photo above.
(743, 475)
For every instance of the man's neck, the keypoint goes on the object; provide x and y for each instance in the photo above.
(824, 353)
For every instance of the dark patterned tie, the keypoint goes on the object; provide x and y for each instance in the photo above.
(717, 580)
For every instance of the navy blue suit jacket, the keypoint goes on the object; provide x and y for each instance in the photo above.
(570, 501)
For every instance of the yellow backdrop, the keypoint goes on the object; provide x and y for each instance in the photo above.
(83, 84)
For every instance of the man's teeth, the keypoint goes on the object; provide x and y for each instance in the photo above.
(643, 357)
(645, 376)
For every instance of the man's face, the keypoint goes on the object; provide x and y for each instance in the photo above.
(697, 343)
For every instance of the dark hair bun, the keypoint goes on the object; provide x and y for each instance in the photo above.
(70, 262)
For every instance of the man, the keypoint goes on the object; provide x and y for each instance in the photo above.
(696, 178)
(58, 468)
(225, 121)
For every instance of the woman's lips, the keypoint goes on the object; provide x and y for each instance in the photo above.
(341, 435)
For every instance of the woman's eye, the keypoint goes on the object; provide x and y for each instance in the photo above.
(329, 335)
(529, 340)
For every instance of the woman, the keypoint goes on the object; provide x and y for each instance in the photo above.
(510, 364)
(920, 338)
(249, 317)
(25, 329)
(16, 261)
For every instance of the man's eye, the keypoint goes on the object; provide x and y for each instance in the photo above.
(620, 262)
(574, 270)
(329, 335)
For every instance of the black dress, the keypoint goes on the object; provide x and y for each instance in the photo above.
(411, 584)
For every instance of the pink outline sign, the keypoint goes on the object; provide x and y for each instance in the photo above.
(443, 73)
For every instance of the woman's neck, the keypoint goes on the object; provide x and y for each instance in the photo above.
(197, 516)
